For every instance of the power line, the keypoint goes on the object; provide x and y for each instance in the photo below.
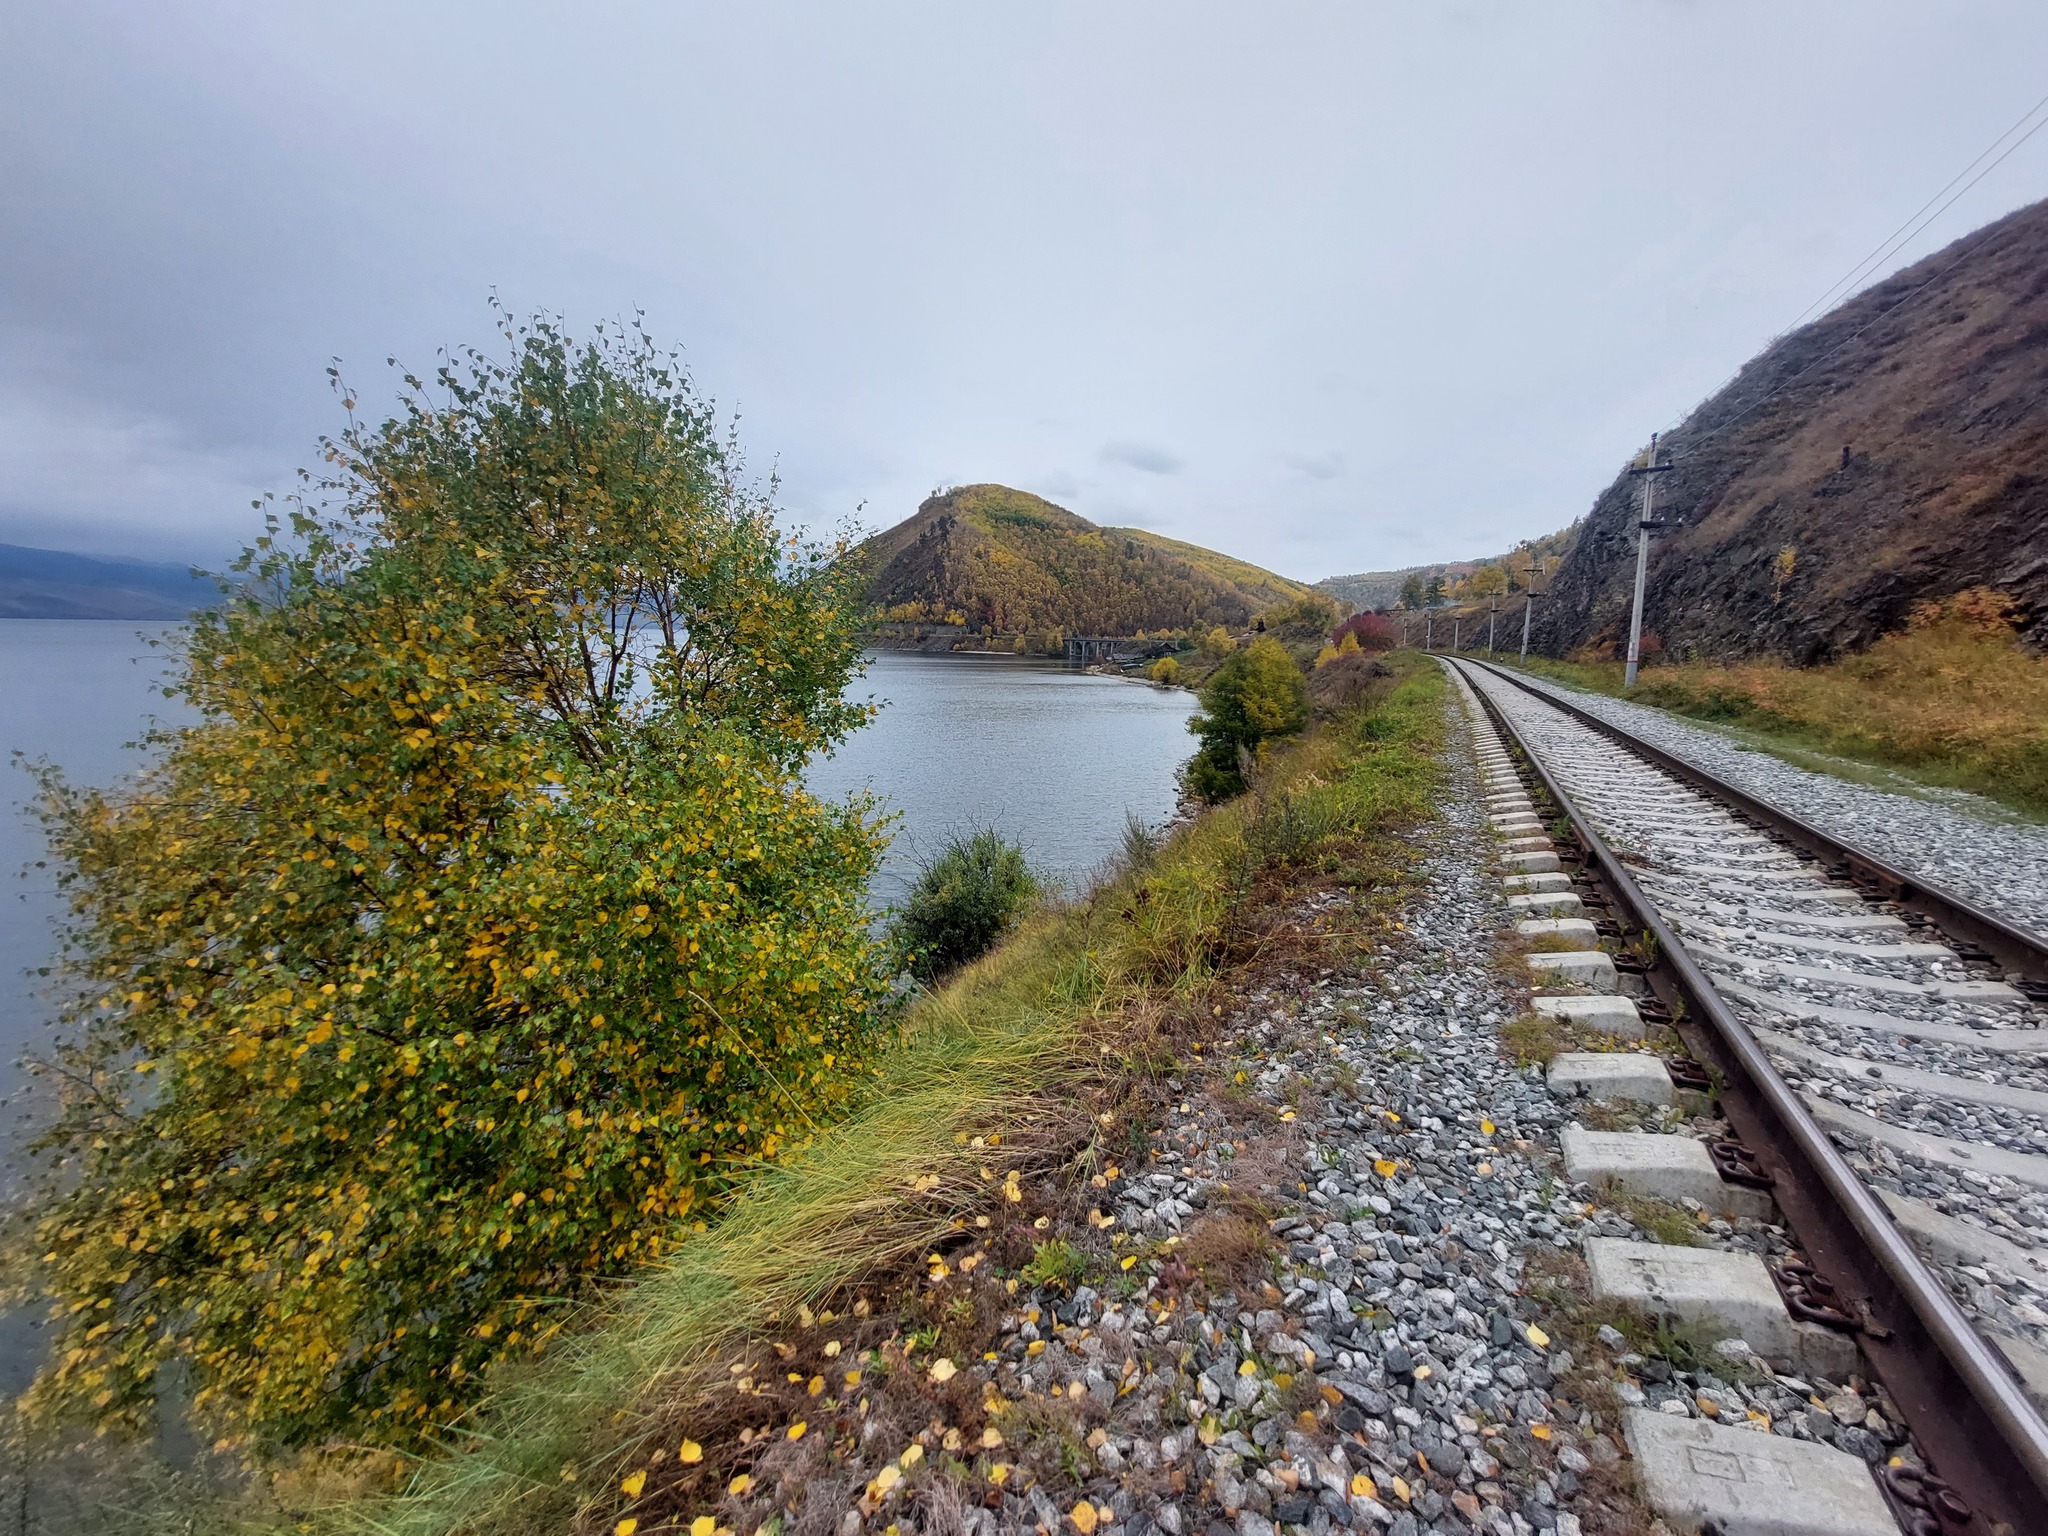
(1911, 227)
(1907, 230)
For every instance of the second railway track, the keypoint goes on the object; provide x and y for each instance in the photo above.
(1883, 1058)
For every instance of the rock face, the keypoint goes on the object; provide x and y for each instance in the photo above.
(1894, 451)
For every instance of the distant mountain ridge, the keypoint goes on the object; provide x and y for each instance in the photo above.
(990, 557)
(1382, 589)
(51, 584)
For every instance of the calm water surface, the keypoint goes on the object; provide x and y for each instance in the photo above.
(1052, 757)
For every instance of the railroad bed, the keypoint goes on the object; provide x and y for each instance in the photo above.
(1888, 1091)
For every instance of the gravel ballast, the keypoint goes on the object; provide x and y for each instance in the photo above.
(1948, 837)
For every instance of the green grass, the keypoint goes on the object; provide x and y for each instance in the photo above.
(989, 1050)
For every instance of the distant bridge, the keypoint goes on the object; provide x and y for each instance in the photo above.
(1089, 648)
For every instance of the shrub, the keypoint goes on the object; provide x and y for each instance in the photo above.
(963, 902)
(480, 925)
(1368, 631)
(1164, 670)
(1218, 643)
(1256, 695)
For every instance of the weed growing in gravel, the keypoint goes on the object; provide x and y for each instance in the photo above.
(1666, 1223)
(1534, 1038)
(1054, 1265)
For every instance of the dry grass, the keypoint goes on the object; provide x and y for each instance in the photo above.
(1955, 699)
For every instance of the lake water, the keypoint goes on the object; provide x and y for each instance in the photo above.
(1053, 757)
(1050, 756)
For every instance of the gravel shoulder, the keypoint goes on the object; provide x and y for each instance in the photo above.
(1946, 836)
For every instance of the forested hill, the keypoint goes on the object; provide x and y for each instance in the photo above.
(1896, 450)
(1383, 589)
(986, 555)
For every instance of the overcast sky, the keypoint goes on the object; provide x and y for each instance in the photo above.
(1329, 287)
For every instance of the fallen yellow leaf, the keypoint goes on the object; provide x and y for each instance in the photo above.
(1401, 1489)
(1540, 1431)
(944, 1369)
(1385, 1167)
(1249, 1368)
(1486, 1127)
(1083, 1516)
(690, 1454)
(991, 1438)
(912, 1455)
(1538, 1337)
(1130, 1259)
(703, 1525)
(1286, 1115)
(885, 1479)
(1363, 1487)
(1035, 1347)
(999, 1474)
(631, 1484)
(796, 1430)
(626, 1527)
(740, 1484)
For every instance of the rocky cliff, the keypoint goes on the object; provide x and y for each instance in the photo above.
(1893, 451)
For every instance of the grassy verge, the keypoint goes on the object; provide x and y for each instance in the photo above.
(1016, 1069)
(1954, 700)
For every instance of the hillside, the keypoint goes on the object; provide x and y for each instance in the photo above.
(49, 584)
(1894, 451)
(1382, 589)
(1014, 563)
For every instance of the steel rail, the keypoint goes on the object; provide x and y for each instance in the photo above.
(1979, 1430)
(2011, 945)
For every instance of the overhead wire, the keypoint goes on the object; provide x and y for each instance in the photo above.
(1847, 283)
(1906, 231)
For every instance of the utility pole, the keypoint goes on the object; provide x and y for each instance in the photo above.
(1644, 525)
(1428, 628)
(1492, 618)
(1454, 634)
(1530, 576)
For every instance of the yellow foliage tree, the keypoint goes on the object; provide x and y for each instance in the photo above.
(480, 925)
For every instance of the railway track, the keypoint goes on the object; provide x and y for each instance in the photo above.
(1880, 1053)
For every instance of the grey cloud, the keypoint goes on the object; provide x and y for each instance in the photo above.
(1153, 461)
